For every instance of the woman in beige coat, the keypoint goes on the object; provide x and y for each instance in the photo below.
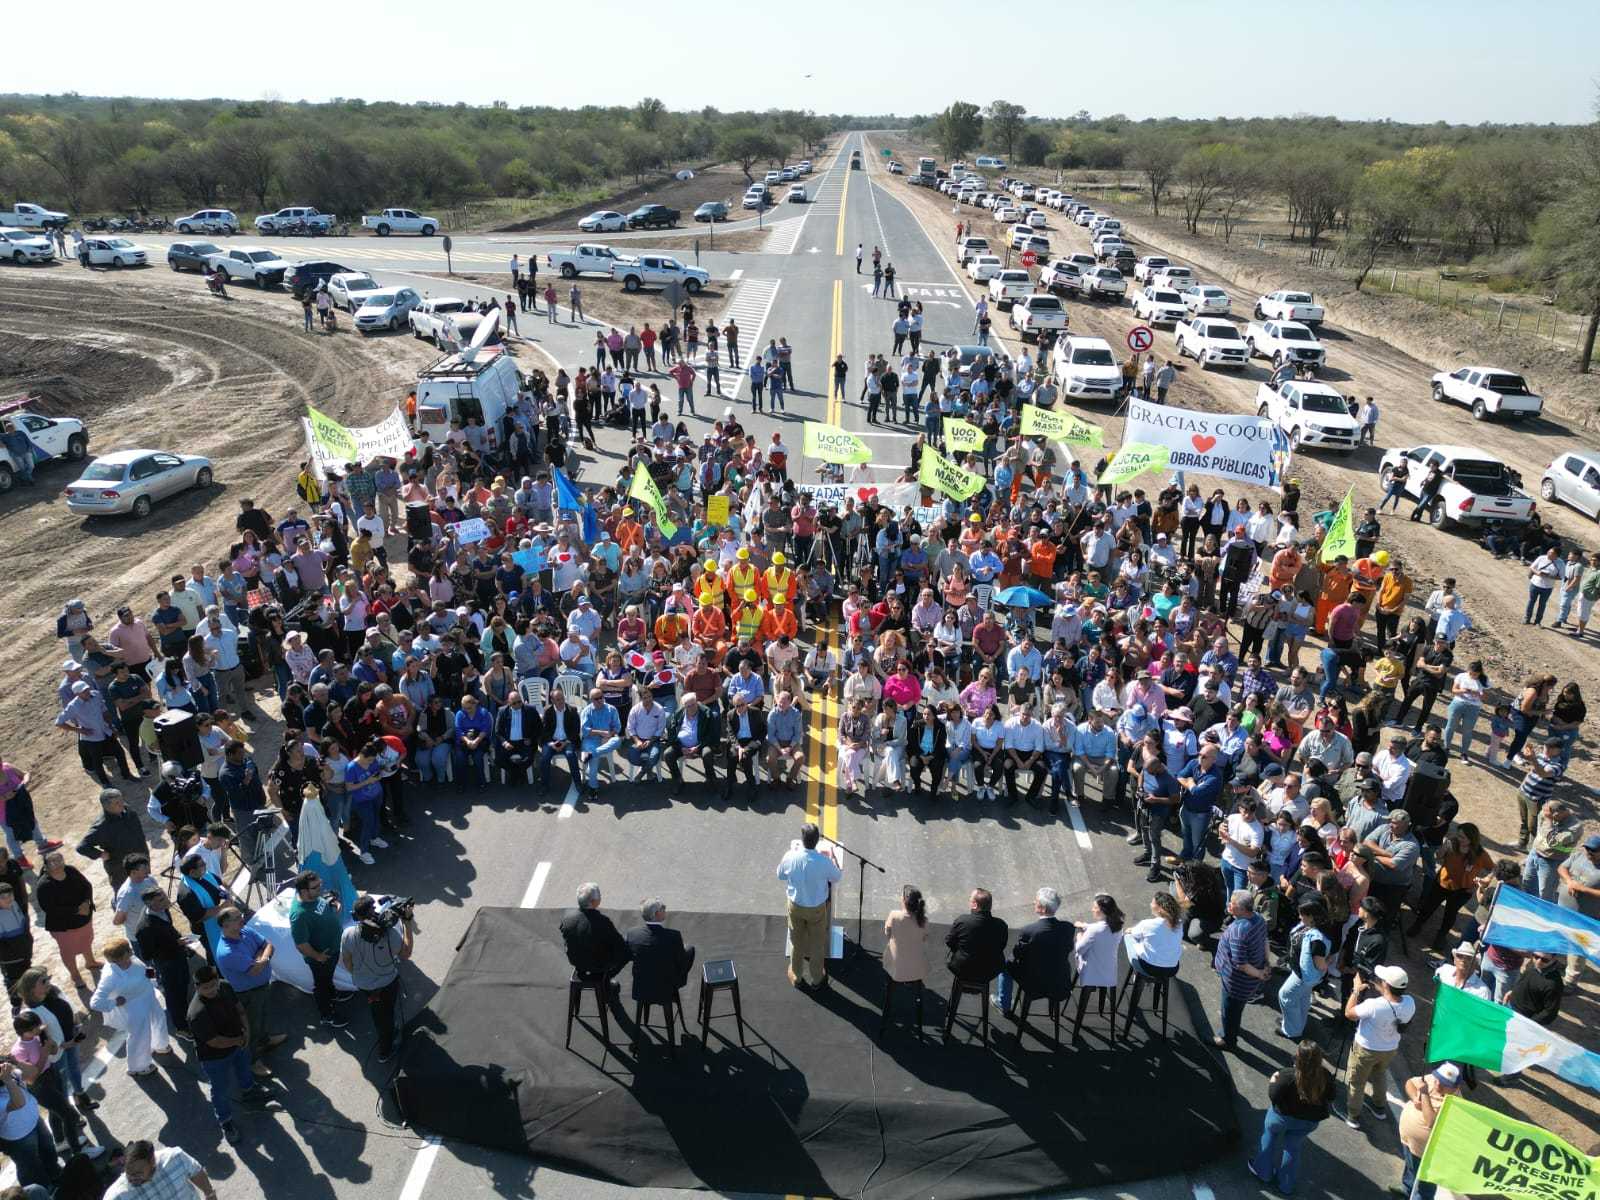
(905, 950)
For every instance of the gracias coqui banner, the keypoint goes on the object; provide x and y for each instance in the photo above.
(1249, 449)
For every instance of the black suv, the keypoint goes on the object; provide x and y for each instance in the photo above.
(308, 276)
(653, 216)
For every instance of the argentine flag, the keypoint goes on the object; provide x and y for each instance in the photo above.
(1523, 922)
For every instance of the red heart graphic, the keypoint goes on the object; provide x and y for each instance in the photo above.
(1203, 444)
(866, 493)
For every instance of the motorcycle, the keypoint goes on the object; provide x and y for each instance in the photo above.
(94, 224)
(215, 284)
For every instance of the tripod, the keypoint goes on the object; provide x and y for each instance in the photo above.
(863, 862)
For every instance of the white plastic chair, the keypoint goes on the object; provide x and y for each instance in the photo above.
(535, 693)
(577, 691)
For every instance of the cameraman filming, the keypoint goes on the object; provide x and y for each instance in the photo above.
(372, 950)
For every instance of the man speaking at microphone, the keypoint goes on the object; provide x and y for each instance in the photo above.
(807, 874)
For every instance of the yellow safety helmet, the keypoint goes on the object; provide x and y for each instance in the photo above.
(778, 559)
(750, 595)
(780, 598)
(711, 564)
(1381, 558)
(744, 553)
(705, 602)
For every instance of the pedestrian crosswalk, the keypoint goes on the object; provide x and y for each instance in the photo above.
(784, 236)
(748, 307)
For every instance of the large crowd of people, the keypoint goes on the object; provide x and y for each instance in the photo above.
(468, 617)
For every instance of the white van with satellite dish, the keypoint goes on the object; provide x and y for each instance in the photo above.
(478, 384)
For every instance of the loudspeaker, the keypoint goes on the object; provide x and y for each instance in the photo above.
(419, 528)
(1424, 792)
(179, 738)
(250, 654)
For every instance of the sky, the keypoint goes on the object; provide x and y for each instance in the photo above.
(1359, 59)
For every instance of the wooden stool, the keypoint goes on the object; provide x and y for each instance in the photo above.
(889, 986)
(1105, 993)
(1160, 998)
(716, 976)
(969, 987)
(1054, 1004)
(641, 1018)
(576, 987)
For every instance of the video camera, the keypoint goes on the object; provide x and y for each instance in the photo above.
(379, 914)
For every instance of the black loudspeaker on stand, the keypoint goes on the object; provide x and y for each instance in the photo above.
(179, 738)
(419, 528)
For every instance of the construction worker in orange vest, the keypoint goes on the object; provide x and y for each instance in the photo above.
(670, 629)
(777, 578)
(1368, 575)
(741, 576)
(779, 619)
(1337, 581)
(708, 588)
(747, 618)
(629, 534)
(709, 630)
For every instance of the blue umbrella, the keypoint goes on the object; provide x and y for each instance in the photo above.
(1022, 597)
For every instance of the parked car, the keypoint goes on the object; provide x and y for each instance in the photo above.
(116, 252)
(1488, 392)
(58, 437)
(969, 247)
(896, 168)
(1285, 341)
(350, 289)
(1211, 341)
(1103, 283)
(1289, 306)
(1206, 300)
(653, 216)
(711, 210)
(1478, 489)
(252, 264)
(586, 258)
(1145, 269)
(1031, 314)
(1312, 415)
(428, 318)
(208, 220)
(389, 309)
(131, 481)
(982, 268)
(656, 270)
(1007, 287)
(298, 216)
(191, 256)
(32, 216)
(1574, 479)
(1159, 306)
(401, 220)
(24, 246)
(756, 196)
(1086, 367)
(309, 276)
(797, 194)
(603, 222)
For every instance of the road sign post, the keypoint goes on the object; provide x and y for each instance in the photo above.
(448, 266)
(1141, 338)
(673, 294)
(1029, 258)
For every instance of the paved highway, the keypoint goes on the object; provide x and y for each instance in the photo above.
(329, 1136)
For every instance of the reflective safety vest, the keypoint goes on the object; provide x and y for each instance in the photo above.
(747, 622)
(670, 627)
(709, 625)
(709, 587)
(741, 578)
(778, 581)
(778, 622)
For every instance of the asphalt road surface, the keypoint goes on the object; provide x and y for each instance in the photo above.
(328, 1134)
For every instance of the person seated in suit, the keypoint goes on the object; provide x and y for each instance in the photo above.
(747, 738)
(691, 733)
(977, 941)
(516, 735)
(661, 962)
(560, 734)
(1041, 957)
(595, 947)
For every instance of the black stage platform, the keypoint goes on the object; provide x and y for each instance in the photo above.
(817, 1104)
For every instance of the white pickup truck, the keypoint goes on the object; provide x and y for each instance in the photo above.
(656, 270)
(1030, 314)
(1478, 488)
(1061, 276)
(1285, 341)
(1312, 415)
(1086, 367)
(1146, 268)
(58, 437)
(24, 246)
(31, 216)
(401, 220)
(253, 264)
(1212, 342)
(1159, 306)
(586, 258)
(1103, 283)
(1289, 306)
(1007, 287)
(288, 218)
(1488, 392)
(969, 248)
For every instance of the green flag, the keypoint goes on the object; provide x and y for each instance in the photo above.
(1474, 1151)
(644, 488)
(1341, 537)
(1059, 427)
(832, 444)
(1134, 459)
(942, 475)
(963, 435)
(333, 437)
(1469, 1029)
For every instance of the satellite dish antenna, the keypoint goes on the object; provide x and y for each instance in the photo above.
(485, 330)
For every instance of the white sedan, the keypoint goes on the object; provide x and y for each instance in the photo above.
(603, 222)
(349, 289)
(983, 267)
(1037, 219)
(389, 309)
(116, 252)
(131, 481)
(428, 318)
(1206, 300)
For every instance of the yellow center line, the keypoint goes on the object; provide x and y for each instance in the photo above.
(828, 768)
(835, 348)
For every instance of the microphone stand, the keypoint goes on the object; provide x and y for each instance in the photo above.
(863, 862)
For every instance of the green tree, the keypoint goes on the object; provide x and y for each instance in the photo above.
(1316, 182)
(1384, 210)
(1033, 149)
(1156, 157)
(1202, 175)
(1567, 236)
(1005, 124)
(250, 161)
(957, 129)
(649, 113)
(747, 146)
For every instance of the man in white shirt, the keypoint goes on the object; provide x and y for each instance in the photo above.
(1462, 972)
(1393, 769)
(222, 643)
(1380, 1011)
(1288, 797)
(1024, 743)
(808, 874)
(647, 721)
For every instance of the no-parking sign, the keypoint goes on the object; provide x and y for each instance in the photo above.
(1141, 338)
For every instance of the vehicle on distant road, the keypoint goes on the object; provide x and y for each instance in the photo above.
(1574, 479)
(1312, 415)
(58, 437)
(603, 222)
(797, 194)
(1478, 488)
(586, 258)
(32, 216)
(757, 196)
(655, 270)
(24, 246)
(895, 168)
(1285, 341)
(1289, 306)
(191, 256)
(350, 289)
(208, 220)
(1488, 392)
(1211, 342)
(299, 217)
(711, 210)
(401, 220)
(389, 309)
(131, 481)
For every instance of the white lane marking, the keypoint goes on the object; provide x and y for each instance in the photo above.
(736, 276)
(1080, 831)
(872, 190)
(570, 804)
(530, 898)
(1200, 1190)
(749, 306)
(417, 1178)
